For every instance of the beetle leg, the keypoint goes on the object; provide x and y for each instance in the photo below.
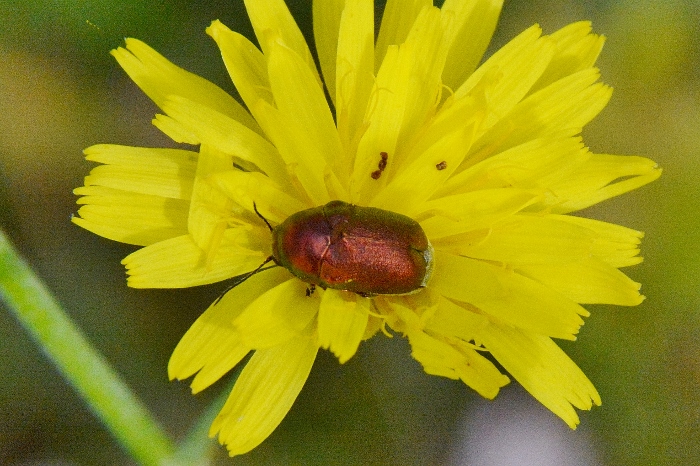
(310, 289)
(241, 278)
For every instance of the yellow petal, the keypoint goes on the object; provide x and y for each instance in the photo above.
(470, 211)
(534, 164)
(178, 262)
(159, 78)
(245, 64)
(383, 120)
(326, 23)
(543, 369)
(517, 66)
(424, 82)
(613, 244)
(175, 130)
(454, 115)
(209, 208)
(549, 239)
(129, 217)
(422, 318)
(299, 97)
(139, 195)
(531, 239)
(599, 178)
(263, 394)
(423, 175)
(307, 168)
(440, 358)
(249, 189)
(272, 21)
(354, 70)
(397, 20)
(374, 324)
(469, 26)
(506, 295)
(455, 321)
(588, 281)
(278, 315)
(560, 109)
(228, 136)
(405, 95)
(158, 172)
(576, 49)
(342, 320)
(212, 347)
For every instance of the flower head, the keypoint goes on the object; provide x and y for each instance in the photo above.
(487, 160)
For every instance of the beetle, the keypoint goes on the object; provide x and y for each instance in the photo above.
(365, 250)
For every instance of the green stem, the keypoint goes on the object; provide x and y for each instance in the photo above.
(196, 447)
(78, 361)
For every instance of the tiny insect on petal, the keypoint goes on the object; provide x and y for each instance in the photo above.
(376, 174)
(366, 250)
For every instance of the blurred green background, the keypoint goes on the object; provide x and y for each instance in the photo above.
(60, 91)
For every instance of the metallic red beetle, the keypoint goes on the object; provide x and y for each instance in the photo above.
(366, 250)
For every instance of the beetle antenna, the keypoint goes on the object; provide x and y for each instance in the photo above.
(255, 208)
(241, 278)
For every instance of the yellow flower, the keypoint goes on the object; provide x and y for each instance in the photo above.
(487, 159)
